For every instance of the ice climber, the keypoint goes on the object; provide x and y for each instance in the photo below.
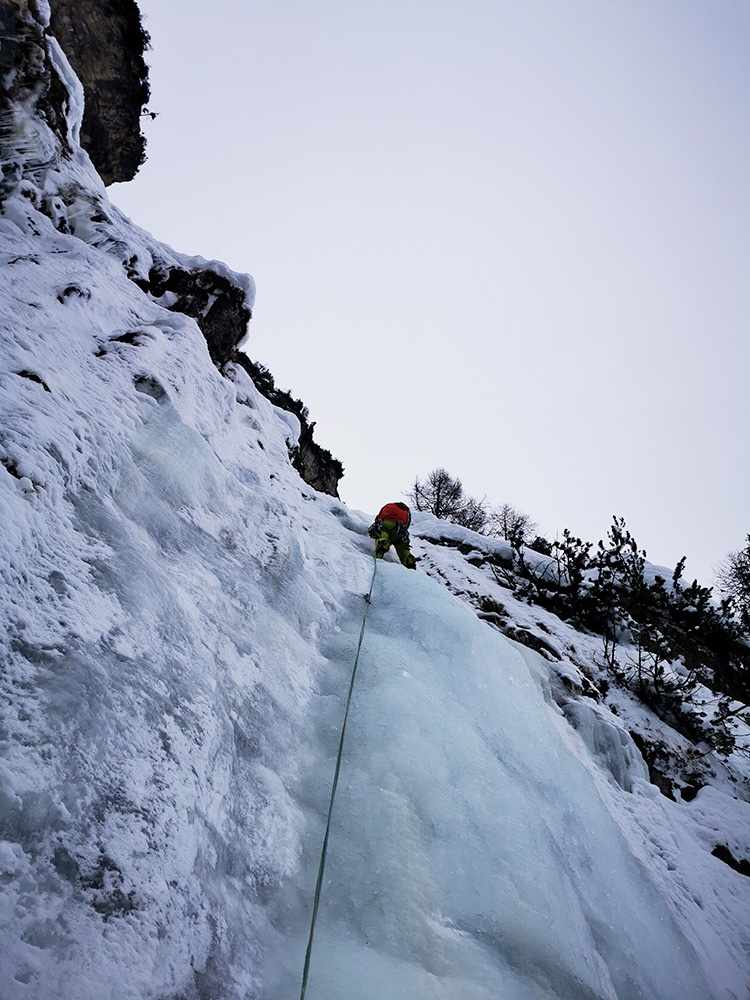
(391, 527)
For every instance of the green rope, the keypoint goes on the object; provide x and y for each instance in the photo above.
(324, 851)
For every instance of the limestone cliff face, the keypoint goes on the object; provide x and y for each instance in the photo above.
(104, 41)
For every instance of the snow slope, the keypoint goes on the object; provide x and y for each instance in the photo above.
(182, 615)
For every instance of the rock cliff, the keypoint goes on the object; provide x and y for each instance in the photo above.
(104, 41)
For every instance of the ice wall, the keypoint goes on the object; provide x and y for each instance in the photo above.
(182, 617)
(181, 614)
(474, 854)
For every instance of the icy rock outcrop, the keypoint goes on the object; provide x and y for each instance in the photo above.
(43, 121)
(45, 171)
(315, 464)
(217, 304)
(40, 103)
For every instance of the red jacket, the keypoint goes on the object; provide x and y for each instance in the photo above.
(397, 512)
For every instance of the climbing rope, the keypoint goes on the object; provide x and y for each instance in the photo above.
(324, 850)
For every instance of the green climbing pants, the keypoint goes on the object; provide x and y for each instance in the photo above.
(390, 536)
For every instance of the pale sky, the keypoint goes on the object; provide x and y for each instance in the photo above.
(507, 237)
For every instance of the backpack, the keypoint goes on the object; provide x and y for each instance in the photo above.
(397, 512)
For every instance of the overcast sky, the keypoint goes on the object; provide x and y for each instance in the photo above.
(507, 237)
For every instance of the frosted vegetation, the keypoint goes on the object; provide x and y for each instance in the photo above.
(181, 616)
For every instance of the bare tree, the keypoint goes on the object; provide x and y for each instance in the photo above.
(510, 523)
(473, 515)
(443, 495)
(734, 582)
